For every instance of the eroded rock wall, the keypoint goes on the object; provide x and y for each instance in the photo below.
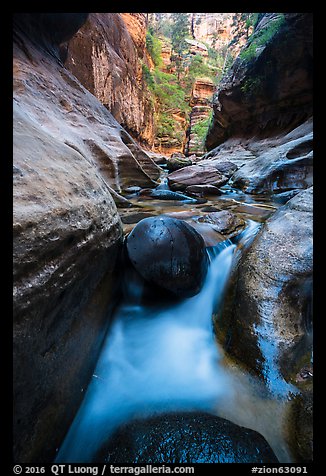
(107, 55)
(268, 90)
(201, 95)
(71, 158)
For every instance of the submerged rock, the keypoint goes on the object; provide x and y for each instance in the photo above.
(169, 253)
(300, 429)
(224, 222)
(196, 175)
(185, 438)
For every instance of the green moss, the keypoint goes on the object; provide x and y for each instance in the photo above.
(260, 38)
(252, 86)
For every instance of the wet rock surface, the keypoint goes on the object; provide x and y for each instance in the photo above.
(280, 167)
(177, 161)
(300, 430)
(203, 190)
(224, 222)
(169, 253)
(165, 195)
(185, 438)
(196, 175)
(225, 167)
(71, 158)
(270, 312)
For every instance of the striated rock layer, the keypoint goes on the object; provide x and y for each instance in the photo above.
(201, 95)
(70, 158)
(106, 55)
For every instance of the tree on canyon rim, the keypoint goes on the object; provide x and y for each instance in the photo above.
(179, 31)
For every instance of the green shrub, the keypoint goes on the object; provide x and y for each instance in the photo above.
(148, 77)
(167, 126)
(260, 38)
(200, 129)
(154, 47)
(168, 92)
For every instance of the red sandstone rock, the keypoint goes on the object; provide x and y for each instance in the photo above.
(195, 175)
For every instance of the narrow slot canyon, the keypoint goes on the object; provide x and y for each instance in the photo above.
(162, 238)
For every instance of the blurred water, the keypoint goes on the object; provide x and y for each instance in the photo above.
(155, 358)
(162, 356)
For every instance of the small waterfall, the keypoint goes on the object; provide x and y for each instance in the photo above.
(155, 358)
(164, 185)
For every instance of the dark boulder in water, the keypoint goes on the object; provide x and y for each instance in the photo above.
(169, 253)
(163, 194)
(185, 438)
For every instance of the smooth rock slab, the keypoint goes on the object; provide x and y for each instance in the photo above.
(225, 167)
(185, 438)
(169, 253)
(196, 175)
(203, 190)
(165, 194)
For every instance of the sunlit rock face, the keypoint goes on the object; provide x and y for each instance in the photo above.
(106, 55)
(201, 96)
(213, 28)
(269, 87)
(71, 157)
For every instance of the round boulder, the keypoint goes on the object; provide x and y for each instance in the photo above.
(169, 253)
(185, 437)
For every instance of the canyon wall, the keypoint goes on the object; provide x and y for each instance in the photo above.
(201, 96)
(71, 160)
(263, 123)
(269, 87)
(107, 55)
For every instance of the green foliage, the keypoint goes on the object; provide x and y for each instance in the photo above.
(168, 91)
(261, 37)
(148, 77)
(251, 19)
(197, 68)
(200, 129)
(180, 29)
(160, 24)
(167, 127)
(252, 86)
(154, 47)
(169, 98)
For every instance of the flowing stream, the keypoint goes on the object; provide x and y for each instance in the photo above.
(163, 356)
